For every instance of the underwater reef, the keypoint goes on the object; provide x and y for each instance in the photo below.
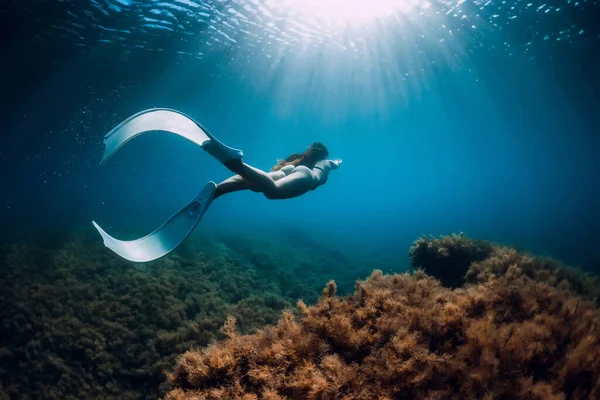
(77, 322)
(221, 318)
(473, 320)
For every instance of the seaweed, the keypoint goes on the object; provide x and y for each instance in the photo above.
(78, 322)
(216, 320)
(511, 334)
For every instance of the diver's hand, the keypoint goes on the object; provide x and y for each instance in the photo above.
(328, 165)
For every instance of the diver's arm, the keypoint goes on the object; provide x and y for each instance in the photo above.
(321, 170)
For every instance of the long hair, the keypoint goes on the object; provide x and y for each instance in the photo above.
(314, 153)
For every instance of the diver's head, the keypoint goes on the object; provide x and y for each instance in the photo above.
(317, 152)
(313, 154)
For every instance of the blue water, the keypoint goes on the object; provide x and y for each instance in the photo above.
(457, 117)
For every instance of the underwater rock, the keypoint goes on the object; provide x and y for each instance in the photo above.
(449, 257)
(512, 333)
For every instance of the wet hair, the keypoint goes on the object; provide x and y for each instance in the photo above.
(314, 153)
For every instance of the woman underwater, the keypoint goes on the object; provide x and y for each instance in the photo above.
(291, 177)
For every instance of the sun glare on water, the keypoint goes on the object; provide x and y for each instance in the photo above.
(343, 12)
(367, 52)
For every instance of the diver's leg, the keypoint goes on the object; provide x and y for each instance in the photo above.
(237, 183)
(259, 180)
(233, 184)
(295, 184)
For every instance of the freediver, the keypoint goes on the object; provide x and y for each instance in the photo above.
(291, 177)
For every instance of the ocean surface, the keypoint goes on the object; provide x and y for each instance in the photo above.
(480, 117)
